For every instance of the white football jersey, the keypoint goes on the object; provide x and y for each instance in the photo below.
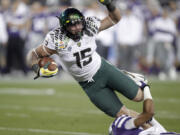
(78, 58)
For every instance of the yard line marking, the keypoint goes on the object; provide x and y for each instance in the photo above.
(170, 100)
(21, 115)
(167, 115)
(47, 131)
(59, 110)
(68, 111)
(14, 107)
(51, 109)
(26, 91)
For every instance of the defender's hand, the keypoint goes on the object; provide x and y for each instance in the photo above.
(105, 2)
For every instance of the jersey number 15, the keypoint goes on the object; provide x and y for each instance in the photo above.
(82, 55)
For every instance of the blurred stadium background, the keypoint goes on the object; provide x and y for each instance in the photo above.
(146, 40)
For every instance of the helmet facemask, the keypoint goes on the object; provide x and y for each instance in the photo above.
(71, 17)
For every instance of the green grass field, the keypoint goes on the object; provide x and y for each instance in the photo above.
(51, 107)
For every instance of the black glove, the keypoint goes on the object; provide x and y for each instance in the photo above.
(109, 4)
(105, 2)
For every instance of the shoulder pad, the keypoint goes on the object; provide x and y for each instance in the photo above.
(92, 25)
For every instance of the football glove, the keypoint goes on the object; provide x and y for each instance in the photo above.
(139, 79)
(109, 4)
(44, 71)
(105, 2)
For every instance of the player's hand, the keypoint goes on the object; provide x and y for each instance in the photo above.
(139, 79)
(105, 2)
(44, 71)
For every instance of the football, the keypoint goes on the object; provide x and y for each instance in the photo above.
(52, 66)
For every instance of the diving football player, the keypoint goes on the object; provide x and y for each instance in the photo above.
(74, 43)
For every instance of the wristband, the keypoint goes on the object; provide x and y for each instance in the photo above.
(147, 93)
(143, 85)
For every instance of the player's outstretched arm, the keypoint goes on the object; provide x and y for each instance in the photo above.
(113, 17)
(35, 54)
(148, 109)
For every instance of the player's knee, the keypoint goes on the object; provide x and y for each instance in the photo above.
(139, 96)
(122, 111)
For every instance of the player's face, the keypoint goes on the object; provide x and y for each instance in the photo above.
(76, 28)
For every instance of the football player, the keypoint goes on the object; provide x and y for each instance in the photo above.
(74, 43)
(126, 125)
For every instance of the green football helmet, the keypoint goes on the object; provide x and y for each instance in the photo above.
(71, 16)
